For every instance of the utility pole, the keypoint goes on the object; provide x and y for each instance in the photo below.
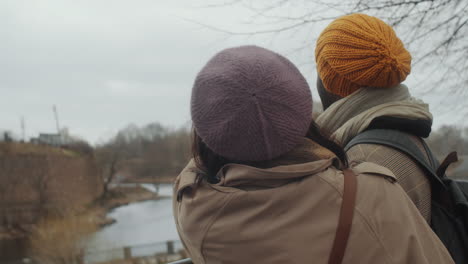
(56, 119)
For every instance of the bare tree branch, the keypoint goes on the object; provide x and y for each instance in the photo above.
(436, 31)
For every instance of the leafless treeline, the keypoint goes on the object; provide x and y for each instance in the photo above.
(151, 151)
(156, 151)
(447, 139)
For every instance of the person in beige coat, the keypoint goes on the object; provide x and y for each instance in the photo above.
(265, 186)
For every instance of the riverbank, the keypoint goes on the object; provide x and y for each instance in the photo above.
(143, 226)
(117, 197)
(16, 240)
(120, 196)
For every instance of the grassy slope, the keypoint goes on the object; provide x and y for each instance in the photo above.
(27, 148)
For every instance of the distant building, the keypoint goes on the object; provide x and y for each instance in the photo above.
(56, 140)
(48, 139)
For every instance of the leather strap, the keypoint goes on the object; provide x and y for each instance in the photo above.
(451, 158)
(346, 218)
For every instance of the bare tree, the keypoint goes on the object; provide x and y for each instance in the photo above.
(40, 181)
(7, 137)
(7, 183)
(109, 158)
(152, 152)
(447, 139)
(435, 31)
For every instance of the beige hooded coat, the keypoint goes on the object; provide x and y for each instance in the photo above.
(348, 117)
(289, 214)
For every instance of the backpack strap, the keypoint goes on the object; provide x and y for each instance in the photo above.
(346, 218)
(402, 142)
(451, 158)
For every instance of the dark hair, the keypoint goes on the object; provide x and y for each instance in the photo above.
(209, 163)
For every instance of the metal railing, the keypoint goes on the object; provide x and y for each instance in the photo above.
(183, 261)
(161, 252)
(154, 250)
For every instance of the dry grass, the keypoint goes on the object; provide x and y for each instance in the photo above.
(61, 239)
(35, 177)
(26, 148)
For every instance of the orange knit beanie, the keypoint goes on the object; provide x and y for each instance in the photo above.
(357, 51)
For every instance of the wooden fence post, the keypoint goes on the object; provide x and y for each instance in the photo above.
(81, 257)
(170, 247)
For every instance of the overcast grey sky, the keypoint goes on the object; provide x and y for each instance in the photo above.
(106, 64)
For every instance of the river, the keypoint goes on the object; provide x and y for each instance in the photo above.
(139, 224)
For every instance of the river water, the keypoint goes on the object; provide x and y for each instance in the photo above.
(138, 224)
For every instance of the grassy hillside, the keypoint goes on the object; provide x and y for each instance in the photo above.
(35, 179)
(15, 148)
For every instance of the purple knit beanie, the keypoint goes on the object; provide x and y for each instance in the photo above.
(250, 104)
